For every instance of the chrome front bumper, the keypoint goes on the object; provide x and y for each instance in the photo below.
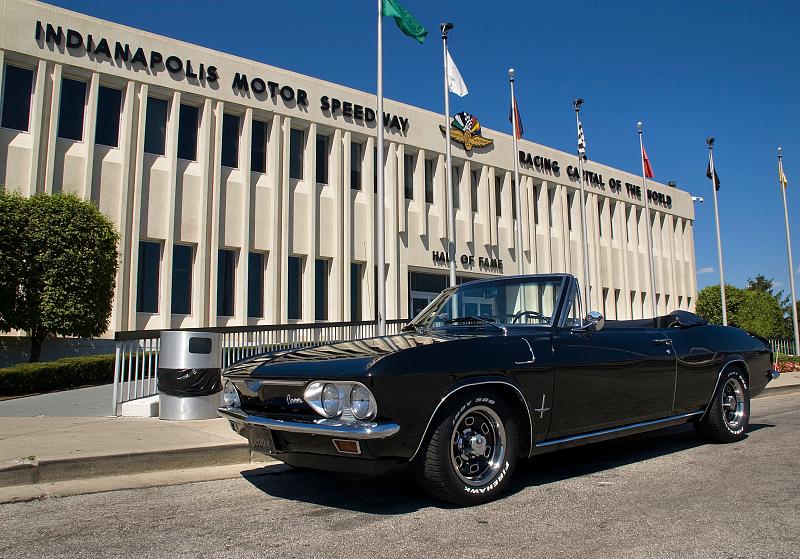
(329, 427)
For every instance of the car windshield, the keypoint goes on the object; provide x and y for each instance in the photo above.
(518, 301)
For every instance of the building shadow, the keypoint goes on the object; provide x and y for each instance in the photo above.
(397, 493)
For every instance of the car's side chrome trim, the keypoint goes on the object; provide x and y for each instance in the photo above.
(329, 427)
(719, 377)
(472, 385)
(643, 424)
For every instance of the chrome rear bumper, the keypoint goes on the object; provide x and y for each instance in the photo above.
(329, 427)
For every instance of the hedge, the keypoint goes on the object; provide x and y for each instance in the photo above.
(70, 372)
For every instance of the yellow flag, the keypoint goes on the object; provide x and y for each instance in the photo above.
(781, 177)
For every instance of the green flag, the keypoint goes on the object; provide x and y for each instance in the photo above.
(404, 20)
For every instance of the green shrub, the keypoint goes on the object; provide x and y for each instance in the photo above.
(70, 372)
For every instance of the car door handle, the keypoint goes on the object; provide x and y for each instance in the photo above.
(662, 341)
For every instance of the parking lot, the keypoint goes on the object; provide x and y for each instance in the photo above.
(664, 494)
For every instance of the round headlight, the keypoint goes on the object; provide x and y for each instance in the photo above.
(361, 402)
(230, 395)
(331, 402)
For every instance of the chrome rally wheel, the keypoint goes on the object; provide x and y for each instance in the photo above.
(728, 414)
(733, 403)
(479, 445)
(470, 450)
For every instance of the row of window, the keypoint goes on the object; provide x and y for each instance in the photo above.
(149, 271)
(17, 91)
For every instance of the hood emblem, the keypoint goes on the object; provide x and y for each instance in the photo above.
(293, 400)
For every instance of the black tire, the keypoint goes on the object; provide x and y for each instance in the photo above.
(729, 414)
(468, 424)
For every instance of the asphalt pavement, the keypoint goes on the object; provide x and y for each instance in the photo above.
(663, 494)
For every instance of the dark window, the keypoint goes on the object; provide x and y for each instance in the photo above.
(255, 285)
(321, 290)
(570, 202)
(230, 141)
(297, 140)
(322, 159)
(226, 282)
(258, 147)
(498, 196)
(147, 281)
(356, 277)
(109, 105)
(181, 279)
(355, 166)
(454, 184)
(551, 200)
(513, 199)
(294, 289)
(600, 220)
(535, 204)
(408, 176)
(473, 192)
(188, 123)
(429, 168)
(70, 113)
(155, 130)
(17, 89)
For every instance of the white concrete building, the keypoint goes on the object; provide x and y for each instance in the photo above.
(244, 193)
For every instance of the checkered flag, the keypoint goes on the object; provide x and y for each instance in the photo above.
(581, 141)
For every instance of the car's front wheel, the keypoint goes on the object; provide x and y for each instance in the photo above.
(729, 413)
(470, 452)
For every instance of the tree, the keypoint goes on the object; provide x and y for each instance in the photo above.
(756, 308)
(65, 285)
(709, 303)
(12, 232)
(760, 313)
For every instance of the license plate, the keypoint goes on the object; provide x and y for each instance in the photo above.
(260, 440)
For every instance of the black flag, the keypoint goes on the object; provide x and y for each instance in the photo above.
(716, 177)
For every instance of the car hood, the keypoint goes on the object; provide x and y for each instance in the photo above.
(340, 359)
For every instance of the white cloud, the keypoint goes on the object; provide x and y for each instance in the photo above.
(706, 270)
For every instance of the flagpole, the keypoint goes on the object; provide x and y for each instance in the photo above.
(517, 189)
(451, 213)
(649, 224)
(584, 229)
(781, 179)
(380, 237)
(710, 142)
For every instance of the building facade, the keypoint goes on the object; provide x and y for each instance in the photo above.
(245, 194)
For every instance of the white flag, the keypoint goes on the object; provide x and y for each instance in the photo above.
(581, 141)
(455, 82)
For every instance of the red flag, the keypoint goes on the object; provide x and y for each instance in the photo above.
(513, 115)
(648, 169)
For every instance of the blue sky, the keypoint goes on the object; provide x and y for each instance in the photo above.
(688, 69)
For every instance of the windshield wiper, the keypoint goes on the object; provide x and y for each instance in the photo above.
(470, 318)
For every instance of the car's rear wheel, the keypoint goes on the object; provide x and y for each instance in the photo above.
(469, 455)
(729, 414)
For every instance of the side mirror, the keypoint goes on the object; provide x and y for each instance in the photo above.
(593, 322)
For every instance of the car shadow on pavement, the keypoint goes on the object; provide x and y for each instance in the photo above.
(397, 493)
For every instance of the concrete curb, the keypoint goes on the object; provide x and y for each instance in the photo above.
(49, 471)
(778, 391)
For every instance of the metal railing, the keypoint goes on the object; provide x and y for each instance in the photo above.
(136, 362)
(784, 346)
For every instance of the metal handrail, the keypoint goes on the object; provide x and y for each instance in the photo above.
(137, 351)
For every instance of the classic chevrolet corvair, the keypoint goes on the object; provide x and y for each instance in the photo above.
(490, 372)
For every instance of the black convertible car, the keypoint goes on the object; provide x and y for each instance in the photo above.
(490, 372)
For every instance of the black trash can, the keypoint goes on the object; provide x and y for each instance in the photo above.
(189, 375)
